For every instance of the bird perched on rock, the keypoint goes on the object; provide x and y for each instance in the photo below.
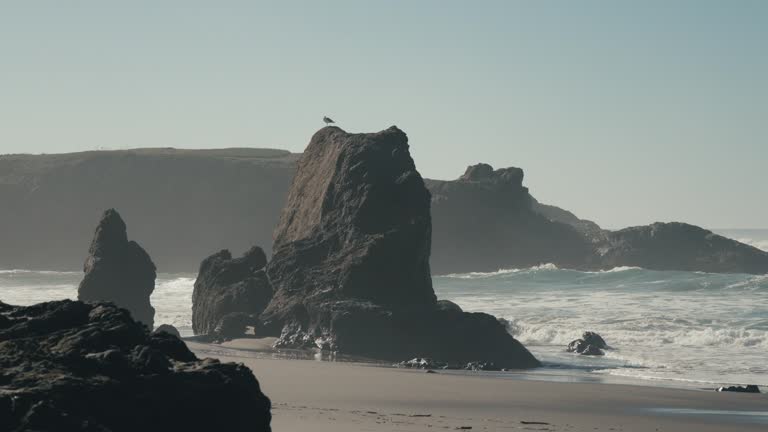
(328, 120)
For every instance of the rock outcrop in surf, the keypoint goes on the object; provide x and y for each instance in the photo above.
(118, 270)
(350, 269)
(590, 343)
(485, 220)
(680, 246)
(230, 291)
(74, 366)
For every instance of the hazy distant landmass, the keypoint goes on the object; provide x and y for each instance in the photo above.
(182, 204)
(185, 204)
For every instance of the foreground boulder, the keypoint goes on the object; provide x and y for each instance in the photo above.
(73, 366)
(230, 290)
(350, 268)
(118, 270)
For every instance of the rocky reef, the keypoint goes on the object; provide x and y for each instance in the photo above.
(680, 246)
(73, 366)
(590, 343)
(350, 270)
(485, 220)
(229, 291)
(118, 270)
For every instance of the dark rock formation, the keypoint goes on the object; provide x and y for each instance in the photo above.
(118, 270)
(72, 366)
(227, 286)
(233, 325)
(594, 339)
(679, 246)
(485, 221)
(167, 328)
(587, 228)
(590, 343)
(740, 389)
(351, 261)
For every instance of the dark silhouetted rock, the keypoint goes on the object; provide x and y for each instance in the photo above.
(233, 325)
(167, 328)
(350, 267)
(225, 286)
(590, 343)
(594, 339)
(485, 220)
(118, 270)
(448, 306)
(591, 350)
(679, 246)
(73, 366)
(740, 389)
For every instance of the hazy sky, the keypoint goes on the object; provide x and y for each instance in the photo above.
(623, 112)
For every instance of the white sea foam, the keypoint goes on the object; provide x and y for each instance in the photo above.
(500, 272)
(36, 272)
(674, 326)
(663, 325)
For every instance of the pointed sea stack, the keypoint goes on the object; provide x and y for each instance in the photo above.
(118, 270)
(350, 269)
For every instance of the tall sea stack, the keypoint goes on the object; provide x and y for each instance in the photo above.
(350, 270)
(118, 270)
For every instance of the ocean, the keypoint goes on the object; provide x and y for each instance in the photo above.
(665, 327)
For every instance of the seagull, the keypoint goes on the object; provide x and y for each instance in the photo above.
(328, 121)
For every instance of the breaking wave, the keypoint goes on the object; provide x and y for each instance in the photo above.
(663, 325)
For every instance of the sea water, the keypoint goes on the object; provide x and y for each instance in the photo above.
(664, 327)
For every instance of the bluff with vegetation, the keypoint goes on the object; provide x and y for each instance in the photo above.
(184, 204)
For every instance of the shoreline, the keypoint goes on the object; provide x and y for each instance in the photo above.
(261, 348)
(348, 396)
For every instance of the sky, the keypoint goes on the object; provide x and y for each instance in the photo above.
(624, 112)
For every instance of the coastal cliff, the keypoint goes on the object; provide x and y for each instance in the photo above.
(182, 204)
(185, 204)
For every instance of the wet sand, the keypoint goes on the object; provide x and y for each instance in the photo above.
(337, 396)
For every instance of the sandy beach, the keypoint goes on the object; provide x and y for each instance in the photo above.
(338, 396)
